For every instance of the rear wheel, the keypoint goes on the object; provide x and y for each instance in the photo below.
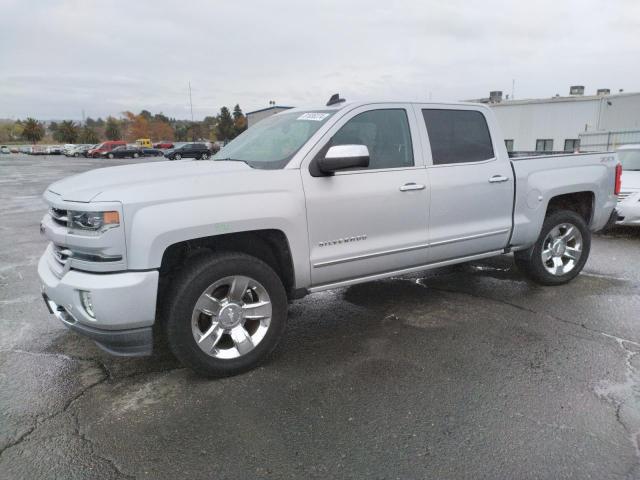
(226, 314)
(136, 155)
(110, 155)
(560, 252)
(177, 156)
(204, 156)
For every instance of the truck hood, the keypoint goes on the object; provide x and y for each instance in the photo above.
(630, 180)
(118, 183)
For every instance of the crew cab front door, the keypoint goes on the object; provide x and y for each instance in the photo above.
(368, 221)
(472, 184)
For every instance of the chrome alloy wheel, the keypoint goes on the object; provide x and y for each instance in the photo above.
(231, 317)
(562, 249)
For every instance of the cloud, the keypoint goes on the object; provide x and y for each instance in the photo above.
(60, 57)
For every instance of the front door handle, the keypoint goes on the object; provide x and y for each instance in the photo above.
(407, 187)
(498, 179)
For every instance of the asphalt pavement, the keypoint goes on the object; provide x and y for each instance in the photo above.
(468, 372)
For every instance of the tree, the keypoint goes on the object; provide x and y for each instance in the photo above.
(112, 129)
(146, 114)
(32, 130)
(225, 127)
(239, 121)
(161, 118)
(66, 132)
(139, 127)
(88, 135)
(160, 130)
(194, 131)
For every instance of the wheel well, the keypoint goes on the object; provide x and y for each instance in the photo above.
(270, 246)
(579, 202)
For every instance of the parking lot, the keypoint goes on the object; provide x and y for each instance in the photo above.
(463, 372)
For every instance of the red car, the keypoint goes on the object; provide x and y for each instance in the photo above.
(163, 145)
(105, 147)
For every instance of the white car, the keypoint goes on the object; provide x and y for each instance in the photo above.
(629, 198)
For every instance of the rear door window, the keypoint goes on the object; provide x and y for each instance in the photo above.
(457, 136)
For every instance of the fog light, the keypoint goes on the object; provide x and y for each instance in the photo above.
(87, 303)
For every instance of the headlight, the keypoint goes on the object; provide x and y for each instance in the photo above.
(93, 221)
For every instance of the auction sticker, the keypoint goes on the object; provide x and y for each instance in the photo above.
(313, 116)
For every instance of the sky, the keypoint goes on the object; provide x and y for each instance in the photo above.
(60, 57)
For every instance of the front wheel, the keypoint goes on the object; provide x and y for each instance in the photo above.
(226, 314)
(136, 155)
(110, 155)
(177, 156)
(204, 156)
(560, 252)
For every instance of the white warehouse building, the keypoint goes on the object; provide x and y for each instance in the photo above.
(597, 122)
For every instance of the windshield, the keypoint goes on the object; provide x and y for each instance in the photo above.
(272, 142)
(630, 159)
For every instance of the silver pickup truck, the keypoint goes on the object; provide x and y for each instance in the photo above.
(207, 254)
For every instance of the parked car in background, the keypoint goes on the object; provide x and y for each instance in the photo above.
(105, 147)
(25, 149)
(84, 150)
(68, 147)
(53, 150)
(163, 145)
(629, 197)
(124, 151)
(144, 142)
(152, 152)
(38, 150)
(4, 149)
(14, 149)
(189, 150)
(77, 150)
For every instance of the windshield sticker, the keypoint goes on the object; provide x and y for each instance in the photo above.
(314, 116)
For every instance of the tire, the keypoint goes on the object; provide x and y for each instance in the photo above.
(204, 156)
(76, 155)
(136, 155)
(110, 155)
(566, 250)
(177, 156)
(221, 354)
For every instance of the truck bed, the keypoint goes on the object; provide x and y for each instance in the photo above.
(538, 178)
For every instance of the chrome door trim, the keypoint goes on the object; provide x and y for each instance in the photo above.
(369, 255)
(469, 237)
(404, 271)
(408, 249)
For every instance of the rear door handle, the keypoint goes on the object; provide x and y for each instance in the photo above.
(407, 187)
(498, 179)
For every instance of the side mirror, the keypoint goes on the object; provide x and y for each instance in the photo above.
(340, 157)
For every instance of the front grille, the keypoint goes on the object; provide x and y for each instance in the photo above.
(59, 216)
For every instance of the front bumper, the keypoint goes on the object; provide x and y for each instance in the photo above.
(124, 305)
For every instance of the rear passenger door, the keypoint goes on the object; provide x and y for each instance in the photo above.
(471, 182)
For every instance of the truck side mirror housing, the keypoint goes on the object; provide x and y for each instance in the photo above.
(341, 157)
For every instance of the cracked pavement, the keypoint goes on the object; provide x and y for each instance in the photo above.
(463, 372)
